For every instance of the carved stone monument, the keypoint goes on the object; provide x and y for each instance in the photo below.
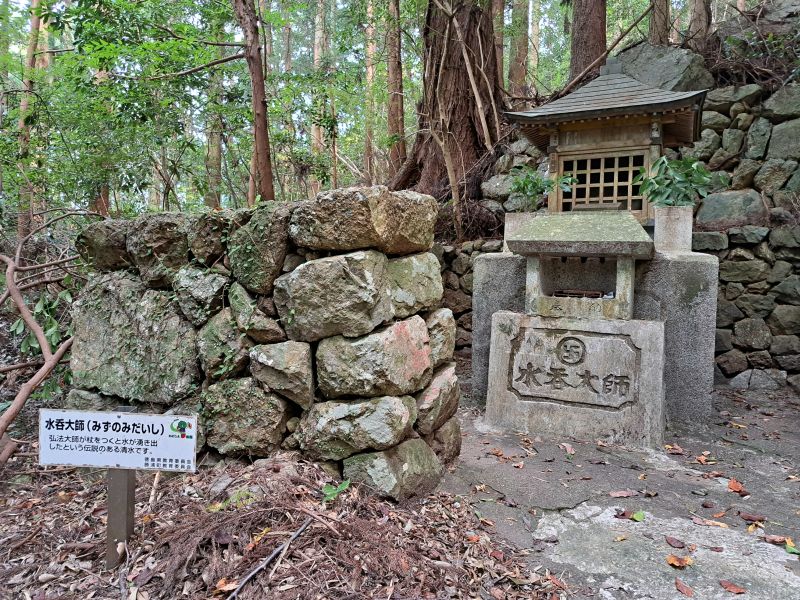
(576, 364)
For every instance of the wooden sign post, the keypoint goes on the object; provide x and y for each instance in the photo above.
(123, 442)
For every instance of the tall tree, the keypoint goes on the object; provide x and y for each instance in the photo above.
(27, 189)
(369, 111)
(533, 55)
(658, 32)
(459, 114)
(396, 115)
(499, 24)
(5, 43)
(317, 135)
(518, 56)
(588, 34)
(246, 16)
(699, 24)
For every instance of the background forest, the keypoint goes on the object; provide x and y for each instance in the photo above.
(126, 106)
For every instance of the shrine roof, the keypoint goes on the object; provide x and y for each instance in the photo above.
(600, 233)
(611, 94)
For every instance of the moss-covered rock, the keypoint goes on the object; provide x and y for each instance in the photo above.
(132, 342)
(257, 250)
(243, 418)
(336, 430)
(157, 243)
(199, 293)
(410, 469)
(103, 244)
(394, 361)
(442, 333)
(224, 352)
(339, 295)
(285, 368)
(250, 320)
(415, 283)
(208, 233)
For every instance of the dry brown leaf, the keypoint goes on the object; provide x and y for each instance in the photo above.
(683, 588)
(496, 452)
(780, 540)
(623, 494)
(567, 448)
(679, 562)
(675, 542)
(752, 518)
(226, 585)
(674, 449)
(708, 522)
(719, 514)
(732, 587)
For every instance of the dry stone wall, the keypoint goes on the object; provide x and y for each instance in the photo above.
(315, 326)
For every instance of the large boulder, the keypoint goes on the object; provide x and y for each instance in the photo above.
(285, 368)
(724, 210)
(157, 244)
(442, 334)
(224, 352)
(243, 418)
(393, 361)
(199, 293)
(336, 430)
(785, 141)
(257, 250)
(410, 469)
(784, 104)
(415, 282)
(366, 217)
(439, 400)
(666, 67)
(721, 99)
(250, 320)
(774, 172)
(132, 342)
(345, 295)
(103, 244)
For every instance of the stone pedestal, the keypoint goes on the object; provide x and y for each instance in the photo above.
(577, 377)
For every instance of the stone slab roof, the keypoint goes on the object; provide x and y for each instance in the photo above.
(598, 233)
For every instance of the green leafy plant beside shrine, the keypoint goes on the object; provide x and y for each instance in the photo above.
(529, 183)
(677, 182)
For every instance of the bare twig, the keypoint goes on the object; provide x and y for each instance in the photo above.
(151, 504)
(265, 563)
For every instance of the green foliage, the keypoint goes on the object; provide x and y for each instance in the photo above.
(529, 183)
(676, 182)
(47, 311)
(331, 492)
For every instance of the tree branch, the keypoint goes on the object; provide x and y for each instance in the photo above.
(208, 65)
(206, 42)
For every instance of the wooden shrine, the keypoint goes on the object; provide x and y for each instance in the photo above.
(603, 133)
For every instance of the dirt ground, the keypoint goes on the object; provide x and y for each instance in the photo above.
(721, 500)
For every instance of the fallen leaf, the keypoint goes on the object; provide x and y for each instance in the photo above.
(737, 487)
(638, 516)
(621, 538)
(567, 448)
(707, 504)
(683, 588)
(708, 522)
(779, 540)
(473, 538)
(731, 587)
(227, 585)
(675, 542)
(673, 449)
(623, 514)
(497, 593)
(679, 562)
(496, 452)
(497, 555)
(753, 527)
(790, 547)
(752, 518)
(623, 493)
(719, 514)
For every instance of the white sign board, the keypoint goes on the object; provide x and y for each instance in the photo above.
(117, 440)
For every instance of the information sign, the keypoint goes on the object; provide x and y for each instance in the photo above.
(117, 440)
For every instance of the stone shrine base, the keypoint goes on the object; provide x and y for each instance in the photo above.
(593, 379)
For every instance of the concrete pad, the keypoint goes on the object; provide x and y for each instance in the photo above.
(577, 377)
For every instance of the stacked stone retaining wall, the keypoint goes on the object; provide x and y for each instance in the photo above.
(314, 326)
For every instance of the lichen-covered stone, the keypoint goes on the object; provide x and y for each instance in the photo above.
(666, 67)
(410, 469)
(749, 234)
(415, 282)
(285, 368)
(393, 361)
(132, 342)
(224, 352)
(722, 99)
(366, 217)
(783, 143)
(709, 241)
(732, 140)
(723, 210)
(752, 333)
(714, 120)
(345, 295)
(439, 400)
(257, 250)
(199, 293)
(103, 244)
(783, 104)
(498, 188)
(744, 174)
(757, 138)
(157, 244)
(250, 320)
(442, 334)
(243, 418)
(747, 271)
(756, 305)
(207, 232)
(774, 173)
(446, 441)
(336, 430)
(788, 290)
(84, 400)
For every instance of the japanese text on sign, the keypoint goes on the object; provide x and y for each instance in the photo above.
(117, 440)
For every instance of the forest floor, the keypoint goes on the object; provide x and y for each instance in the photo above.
(719, 501)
